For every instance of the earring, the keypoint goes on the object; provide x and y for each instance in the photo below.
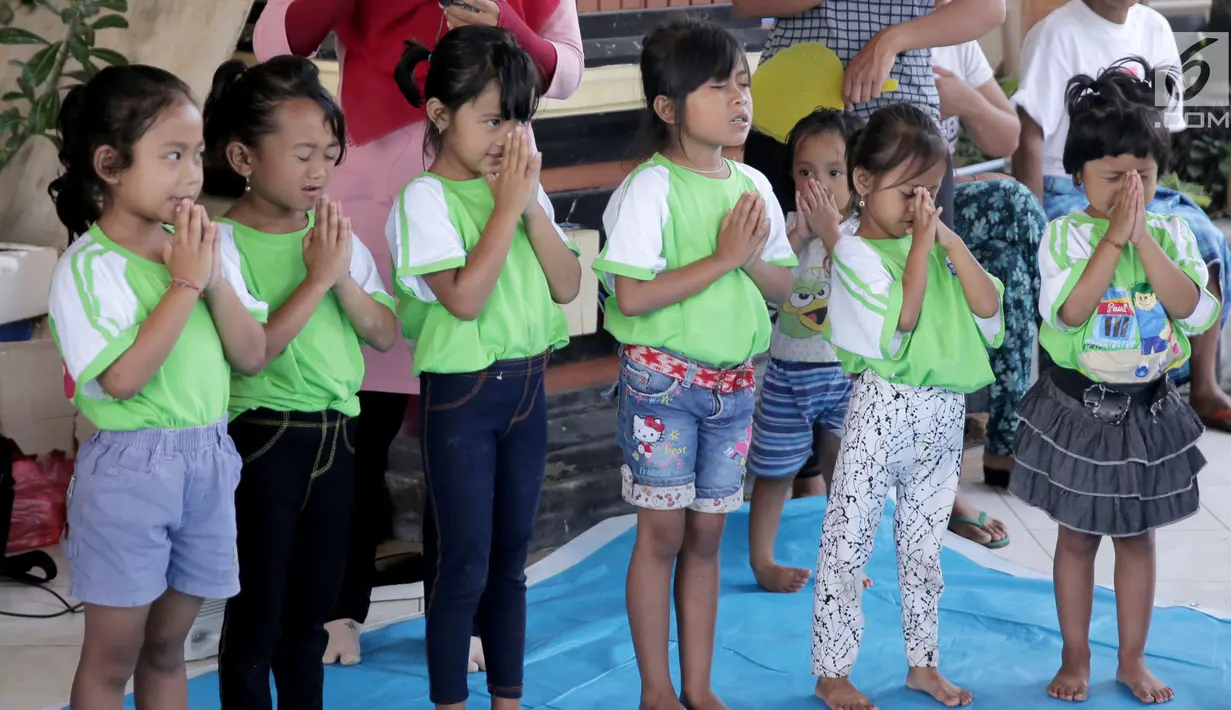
(861, 202)
(247, 183)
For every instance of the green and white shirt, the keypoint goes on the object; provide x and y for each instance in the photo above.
(799, 321)
(101, 293)
(663, 217)
(434, 224)
(1130, 337)
(947, 348)
(322, 367)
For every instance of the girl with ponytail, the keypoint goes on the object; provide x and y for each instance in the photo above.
(150, 320)
(480, 270)
(275, 131)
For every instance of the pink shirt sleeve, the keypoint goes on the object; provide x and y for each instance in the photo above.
(563, 31)
(269, 37)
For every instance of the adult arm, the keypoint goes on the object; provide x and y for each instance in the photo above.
(1028, 158)
(954, 23)
(556, 48)
(272, 35)
(992, 122)
(772, 8)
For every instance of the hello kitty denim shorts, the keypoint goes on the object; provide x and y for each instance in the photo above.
(685, 440)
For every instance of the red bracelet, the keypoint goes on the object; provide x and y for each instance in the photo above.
(183, 283)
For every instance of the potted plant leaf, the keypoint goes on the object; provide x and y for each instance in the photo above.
(31, 109)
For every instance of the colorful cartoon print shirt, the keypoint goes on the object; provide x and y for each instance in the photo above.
(798, 321)
(1130, 337)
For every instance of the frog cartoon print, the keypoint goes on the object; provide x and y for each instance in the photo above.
(648, 431)
(804, 312)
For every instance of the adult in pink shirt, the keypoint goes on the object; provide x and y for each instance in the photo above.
(386, 151)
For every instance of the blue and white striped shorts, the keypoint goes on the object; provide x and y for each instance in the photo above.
(795, 396)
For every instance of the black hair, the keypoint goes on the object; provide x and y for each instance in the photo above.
(898, 134)
(1116, 113)
(464, 62)
(677, 57)
(241, 107)
(114, 108)
(821, 120)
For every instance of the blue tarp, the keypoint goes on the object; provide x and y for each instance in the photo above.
(999, 637)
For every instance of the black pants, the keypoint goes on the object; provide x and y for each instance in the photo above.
(770, 157)
(292, 511)
(484, 453)
(380, 419)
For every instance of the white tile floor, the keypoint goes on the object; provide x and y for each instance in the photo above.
(37, 657)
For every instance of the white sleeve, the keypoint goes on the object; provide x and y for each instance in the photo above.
(1064, 253)
(976, 70)
(363, 270)
(865, 303)
(1042, 78)
(93, 313)
(634, 222)
(233, 273)
(777, 249)
(1186, 254)
(422, 238)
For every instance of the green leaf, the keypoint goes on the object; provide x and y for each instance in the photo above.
(90, 8)
(6, 14)
(113, 5)
(43, 115)
(26, 87)
(79, 50)
(39, 66)
(10, 120)
(110, 56)
(80, 76)
(13, 96)
(107, 22)
(87, 36)
(16, 35)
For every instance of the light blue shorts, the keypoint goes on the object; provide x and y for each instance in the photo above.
(153, 509)
(795, 396)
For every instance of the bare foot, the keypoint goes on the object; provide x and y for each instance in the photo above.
(1072, 681)
(343, 644)
(840, 694)
(660, 701)
(477, 662)
(1136, 677)
(1208, 400)
(704, 700)
(930, 681)
(774, 577)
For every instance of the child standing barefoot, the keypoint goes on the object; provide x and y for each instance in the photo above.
(695, 246)
(804, 384)
(1107, 446)
(912, 314)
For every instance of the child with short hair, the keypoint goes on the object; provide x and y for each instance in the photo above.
(1107, 447)
(150, 321)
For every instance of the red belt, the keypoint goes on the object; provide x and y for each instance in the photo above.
(740, 377)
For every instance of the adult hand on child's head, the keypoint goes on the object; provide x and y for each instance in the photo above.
(926, 216)
(867, 71)
(190, 254)
(744, 228)
(326, 252)
(473, 12)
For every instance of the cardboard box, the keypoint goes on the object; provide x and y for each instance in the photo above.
(33, 409)
(25, 280)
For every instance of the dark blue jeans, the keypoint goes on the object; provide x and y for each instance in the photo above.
(484, 453)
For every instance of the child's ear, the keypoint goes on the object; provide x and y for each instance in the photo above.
(438, 114)
(665, 109)
(106, 162)
(239, 157)
(864, 182)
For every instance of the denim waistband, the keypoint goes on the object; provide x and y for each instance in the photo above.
(274, 417)
(187, 439)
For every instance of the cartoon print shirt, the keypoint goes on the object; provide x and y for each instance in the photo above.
(1129, 338)
(322, 367)
(434, 225)
(663, 217)
(798, 321)
(947, 348)
(101, 293)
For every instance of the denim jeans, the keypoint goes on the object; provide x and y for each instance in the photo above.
(484, 454)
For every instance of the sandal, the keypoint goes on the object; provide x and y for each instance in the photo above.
(979, 523)
(1218, 421)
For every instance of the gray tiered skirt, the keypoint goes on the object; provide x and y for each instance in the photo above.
(1107, 479)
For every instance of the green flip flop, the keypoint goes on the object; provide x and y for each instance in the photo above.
(979, 523)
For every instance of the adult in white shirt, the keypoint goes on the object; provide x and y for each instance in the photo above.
(1082, 37)
(1002, 222)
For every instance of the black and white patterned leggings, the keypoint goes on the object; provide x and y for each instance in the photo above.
(896, 435)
